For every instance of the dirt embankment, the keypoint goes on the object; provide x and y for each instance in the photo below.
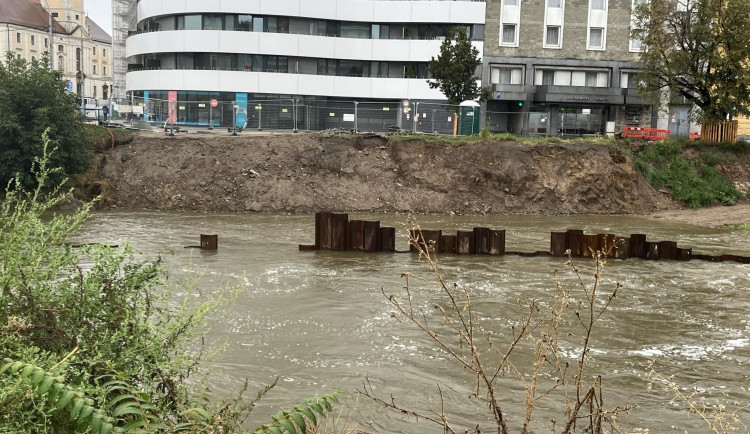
(309, 172)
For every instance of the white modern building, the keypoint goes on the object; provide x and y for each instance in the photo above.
(252, 52)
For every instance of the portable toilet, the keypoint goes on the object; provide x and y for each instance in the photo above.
(468, 118)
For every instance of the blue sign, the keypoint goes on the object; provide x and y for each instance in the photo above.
(70, 86)
(241, 110)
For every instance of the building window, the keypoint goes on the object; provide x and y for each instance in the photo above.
(591, 79)
(78, 59)
(18, 38)
(510, 2)
(189, 22)
(213, 22)
(380, 31)
(554, 3)
(104, 70)
(94, 92)
(46, 43)
(244, 23)
(276, 25)
(60, 63)
(94, 51)
(548, 77)
(552, 39)
(596, 38)
(257, 24)
(78, 17)
(104, 52)
(94, 70)
(60, 48)
(506, 75)
(597, 5)
(629, 80)
(509, 34)
(33, 41)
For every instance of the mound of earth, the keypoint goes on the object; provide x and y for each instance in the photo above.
(302, 173)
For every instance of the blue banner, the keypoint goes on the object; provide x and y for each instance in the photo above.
(145, 106)
(241, 110)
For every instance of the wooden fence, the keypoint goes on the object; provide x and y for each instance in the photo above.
(725, 131)
(336, 232)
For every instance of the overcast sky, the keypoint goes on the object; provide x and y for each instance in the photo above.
(101, 12)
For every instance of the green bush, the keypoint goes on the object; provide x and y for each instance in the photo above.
(34, 99)
(696, 182)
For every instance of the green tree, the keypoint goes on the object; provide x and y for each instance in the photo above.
(454, 70)
(33, 99)
(697, 49)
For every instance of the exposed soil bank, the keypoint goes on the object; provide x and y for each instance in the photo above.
(301, 173)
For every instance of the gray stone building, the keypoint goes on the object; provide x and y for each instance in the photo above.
(562, 67)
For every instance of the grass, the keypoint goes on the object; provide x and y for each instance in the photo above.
(100, 139)
(697, 182)
(486, 136)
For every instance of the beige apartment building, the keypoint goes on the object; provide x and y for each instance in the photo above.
(78, 46)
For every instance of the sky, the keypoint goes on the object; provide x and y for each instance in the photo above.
(101, 12)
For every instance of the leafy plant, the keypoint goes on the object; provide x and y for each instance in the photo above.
(33, 99)
(295, 420)
(454, 69)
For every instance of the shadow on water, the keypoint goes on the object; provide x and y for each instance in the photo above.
(319, 321)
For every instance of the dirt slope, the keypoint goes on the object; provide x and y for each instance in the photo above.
(310, 172)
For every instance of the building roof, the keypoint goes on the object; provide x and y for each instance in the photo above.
(26, 13)
(97, 33)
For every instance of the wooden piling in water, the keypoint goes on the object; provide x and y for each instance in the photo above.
(575, 242)
(482, 241)
(372, 236)
(448, 243)
(558, 243)
(684, 254)
(622, 248)
(339, 232)
(652, 251)
(387, 239)
(465, 242)
(668, 250)
(357, 235)
(209, 242)
(590, 245)
(497, 242)
(638, 247)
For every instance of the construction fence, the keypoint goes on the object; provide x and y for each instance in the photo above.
(312, 115)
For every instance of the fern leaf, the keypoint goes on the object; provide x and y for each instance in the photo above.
(106, 428)
(300, 421)
(45, 385)
(317, 408)
(65, 397)
(114, 401)
(96, 423)
(27, 370)
(37, 376)
(85, 414)
(326, 404)
(308, 413)
(129, 408)
(288, 426)
(197, 414)
(77, 407)
(6, 366)
(138, 423)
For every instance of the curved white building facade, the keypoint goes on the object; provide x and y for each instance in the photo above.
(298, 50)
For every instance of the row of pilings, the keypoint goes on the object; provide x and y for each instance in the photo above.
(334, 231)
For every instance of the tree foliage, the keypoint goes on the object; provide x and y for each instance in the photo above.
(33, 99)
(697, 49)
(454, 70)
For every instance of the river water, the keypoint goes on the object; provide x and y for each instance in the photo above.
(319, 321)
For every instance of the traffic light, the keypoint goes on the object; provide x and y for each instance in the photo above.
(520, 103)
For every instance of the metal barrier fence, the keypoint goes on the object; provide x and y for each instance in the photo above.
(307, 114)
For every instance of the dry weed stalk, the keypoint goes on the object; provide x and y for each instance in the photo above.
(716, 414)
(538, 332)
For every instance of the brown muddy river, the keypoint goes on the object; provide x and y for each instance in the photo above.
(319, 321)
